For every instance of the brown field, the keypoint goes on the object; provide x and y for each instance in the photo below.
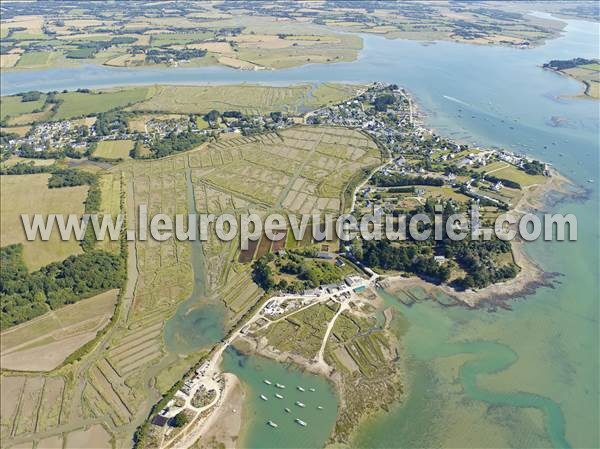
(44, 342)
(263, 247)
(94, 437)
(16, 199)
(237, 63)
(9, 60)
(30, 400)
(51, 404)
(54, 442)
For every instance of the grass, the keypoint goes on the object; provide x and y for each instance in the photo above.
(110, 188)
(165, 39)
(302, 332)
(43, 343)
(79, 104)
(13, 106)
(114, 149)
(35, 58)
(285, 170)
(244, 98)
(29, 194)
(515, 174)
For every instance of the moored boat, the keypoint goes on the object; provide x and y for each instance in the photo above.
(300, 388)
(267, 381)
(272, 424)
(287, 410)
(280, 386)
(312, 389)
(320, 407)
(263, 397)
(278, 396)
(299, 421)
(300, 404)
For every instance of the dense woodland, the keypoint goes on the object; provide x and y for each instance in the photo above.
(303, 272)
(482, 261)
(398, 180)
(27, 295)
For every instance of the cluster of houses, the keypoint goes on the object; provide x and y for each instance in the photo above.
(388, 126)
(290, 302)
(51, 136)
(202, 385)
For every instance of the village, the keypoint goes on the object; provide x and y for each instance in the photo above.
(183, 418)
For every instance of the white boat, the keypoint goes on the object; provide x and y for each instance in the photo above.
(300, 404)
(280, 386)
(272, 424)
(267, 381)
(312, 389)
(263, 397)
(278, 396)
(287, 410)
(300, 388)
(320, 407)
(299, 421)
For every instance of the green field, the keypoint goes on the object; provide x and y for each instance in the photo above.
(248, 98)
(13, 106)
(114, 149)
(180, 38)
(34, 58)
(79, 104)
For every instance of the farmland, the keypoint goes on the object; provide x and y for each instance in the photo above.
(17, 199)
(43, 343)
(172, 102)
(302, 169)
(248, 99)
(114, 149)
(242, 42)
(80, 104)
(34, 59)
(110, 191)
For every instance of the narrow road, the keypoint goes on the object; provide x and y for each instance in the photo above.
(320, 360)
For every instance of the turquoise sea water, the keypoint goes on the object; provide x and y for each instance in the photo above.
(257, 412)
(522, 378)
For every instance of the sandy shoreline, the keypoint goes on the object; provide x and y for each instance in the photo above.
(224, 425)
(221, 426)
